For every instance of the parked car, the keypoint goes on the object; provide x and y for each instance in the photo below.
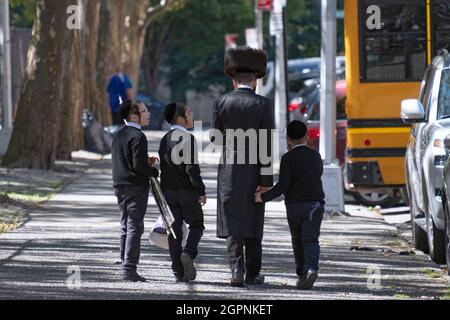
(156, 108)
(446, 201)
(426, 156)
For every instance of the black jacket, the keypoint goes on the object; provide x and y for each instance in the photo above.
(130, 158)
(237, 213)
(301, 172)
(185, 172)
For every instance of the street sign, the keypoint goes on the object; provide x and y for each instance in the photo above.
(251, 37)
(264, 5)
(231, 40)
(276, 23)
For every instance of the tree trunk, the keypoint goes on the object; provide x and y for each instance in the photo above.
(133, 44)
(71, 130)
(36, 132)
(109, 50)
(92, 100)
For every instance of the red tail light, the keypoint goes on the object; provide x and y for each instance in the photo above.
(294, 106)
(303, 110)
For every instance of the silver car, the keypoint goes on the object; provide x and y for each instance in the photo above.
(426, 157)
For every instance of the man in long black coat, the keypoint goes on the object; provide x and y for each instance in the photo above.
(239, 219)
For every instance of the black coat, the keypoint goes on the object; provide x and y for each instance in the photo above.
(237, 213)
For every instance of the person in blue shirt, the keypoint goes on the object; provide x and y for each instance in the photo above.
(119, 90)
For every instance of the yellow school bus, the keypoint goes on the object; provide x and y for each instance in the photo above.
(389, 44)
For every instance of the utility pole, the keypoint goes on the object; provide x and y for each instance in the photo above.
(332, 178)
(277, 29)
(6, 59)
(260, 36)
(6, 77)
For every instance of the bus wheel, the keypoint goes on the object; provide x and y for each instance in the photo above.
(373, 199)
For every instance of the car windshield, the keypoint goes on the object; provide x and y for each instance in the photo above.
(444, 95)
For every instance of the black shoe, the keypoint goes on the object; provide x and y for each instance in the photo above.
(237, 278)
(180, 278)
(307, 281)
(255, 281)
(133, 277)
(189, 269)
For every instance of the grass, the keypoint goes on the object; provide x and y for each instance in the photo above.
(402, 296)
(17, 198)
(446, 296)
(9, 219)
(30, 196)
(434, 274)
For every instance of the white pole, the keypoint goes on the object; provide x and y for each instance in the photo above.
(328, 82)
(260, 35)
(7, 78)
(280, 78)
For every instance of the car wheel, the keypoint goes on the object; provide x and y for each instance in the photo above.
(436, 241)
(420, 240)
(372, 199)
(447, 232)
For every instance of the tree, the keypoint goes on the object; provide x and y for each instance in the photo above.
(121, 40)
(192, 52)
(43, 104)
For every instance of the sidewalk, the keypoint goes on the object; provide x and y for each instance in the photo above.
(80, 227)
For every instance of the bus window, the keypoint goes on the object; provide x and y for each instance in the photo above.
(396, 49)
(440, 25)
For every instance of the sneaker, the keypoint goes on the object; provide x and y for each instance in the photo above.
(189, 269)
(133, 277)
(307, 281)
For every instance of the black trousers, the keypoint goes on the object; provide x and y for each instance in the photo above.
(251, 264)
(116, 118)
(305, 220)
(132, 202)
(185, 207)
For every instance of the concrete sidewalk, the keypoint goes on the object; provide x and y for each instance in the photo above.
(80, 228)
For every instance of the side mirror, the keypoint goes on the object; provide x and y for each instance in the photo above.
(412, 111)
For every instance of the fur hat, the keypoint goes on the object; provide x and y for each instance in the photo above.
(245, 59)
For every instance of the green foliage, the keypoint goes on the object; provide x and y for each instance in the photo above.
(303, 28)
(196, 62)
(196, 58)
(23, 13)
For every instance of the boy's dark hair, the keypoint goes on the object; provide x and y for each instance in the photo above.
(173, 111)
(245, 77)
(129, 107)
(297, 130)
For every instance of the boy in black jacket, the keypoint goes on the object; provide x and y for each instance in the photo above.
(183, 188)
(131, 170)
(300, 181)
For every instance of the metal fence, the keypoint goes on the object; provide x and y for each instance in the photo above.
(20, 41)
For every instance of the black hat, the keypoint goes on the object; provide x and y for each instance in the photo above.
(297, 130)
(245, 59)
(169, 112)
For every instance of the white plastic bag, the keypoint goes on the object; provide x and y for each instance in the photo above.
(159, 237)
